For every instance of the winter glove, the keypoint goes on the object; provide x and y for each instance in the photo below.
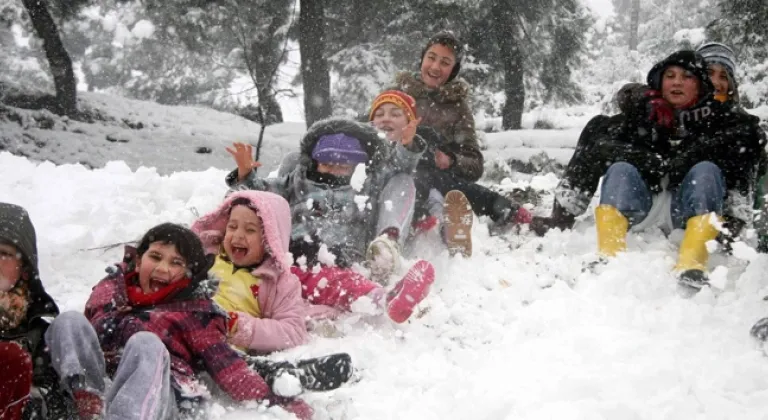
(523, 216)
(295, 406)
(659, 110)
(732, 229)
(560, 218)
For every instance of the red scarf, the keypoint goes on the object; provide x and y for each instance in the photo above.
(137, 297)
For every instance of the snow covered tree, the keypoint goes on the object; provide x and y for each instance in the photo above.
(22, 65)
(125, 48)
(371, 41)
(533, 45)
(745, 21)
(250, 34)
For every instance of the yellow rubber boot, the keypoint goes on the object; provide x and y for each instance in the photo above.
(693, 250)
(612, 229)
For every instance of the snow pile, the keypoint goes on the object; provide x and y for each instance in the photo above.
(169, 138)
(528, 328)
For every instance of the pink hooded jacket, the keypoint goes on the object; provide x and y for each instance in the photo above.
(282, 325)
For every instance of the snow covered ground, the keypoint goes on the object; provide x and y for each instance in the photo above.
(525, 329)
(519, 331)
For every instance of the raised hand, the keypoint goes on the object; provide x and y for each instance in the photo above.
(442, 160)
(243, 155)
(409, 132)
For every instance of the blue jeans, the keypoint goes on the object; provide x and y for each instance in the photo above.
(702, 191)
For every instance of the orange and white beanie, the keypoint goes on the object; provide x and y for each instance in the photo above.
(402, 100)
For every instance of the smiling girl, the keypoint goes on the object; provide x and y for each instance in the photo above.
(152, 328)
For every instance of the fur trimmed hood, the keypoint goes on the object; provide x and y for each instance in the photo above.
(365, 133)
(454, 91)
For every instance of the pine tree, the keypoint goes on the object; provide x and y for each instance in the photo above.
(533, 46)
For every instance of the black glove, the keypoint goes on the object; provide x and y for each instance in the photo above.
(734, 227)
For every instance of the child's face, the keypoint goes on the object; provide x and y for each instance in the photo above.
(336, 169)
(719, 77)
(437, 65)
(160, 266)
(10, 267)
(244, 238)
(679, 86)
(390, 119)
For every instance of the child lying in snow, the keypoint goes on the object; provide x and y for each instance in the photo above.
(325, 212)
(152, 327)
(262, 293)
(24, 361)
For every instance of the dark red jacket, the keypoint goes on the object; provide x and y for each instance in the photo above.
(190, 325)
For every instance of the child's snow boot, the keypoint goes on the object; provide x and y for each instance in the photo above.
(317, 374)
(325, 373)
(457, 223)
(383, 257)
(693, 257)
(409, 291)
(612, 229)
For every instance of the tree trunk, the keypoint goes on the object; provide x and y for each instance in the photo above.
(634, 24)
(265, 57)
(271, 108)
(505, 30)
(314, 66)
(58, 58)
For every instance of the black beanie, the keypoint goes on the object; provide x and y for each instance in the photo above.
(689, 60)
(448, 39)
(186, 242)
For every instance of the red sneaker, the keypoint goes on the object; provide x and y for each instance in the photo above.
(409, 291)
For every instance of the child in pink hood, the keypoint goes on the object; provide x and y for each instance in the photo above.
(248, 234)
(267, 305)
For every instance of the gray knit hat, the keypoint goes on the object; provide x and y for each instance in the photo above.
(714, 52)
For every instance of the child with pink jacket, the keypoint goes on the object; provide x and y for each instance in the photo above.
(267, 303)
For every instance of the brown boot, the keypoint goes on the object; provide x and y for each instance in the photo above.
(457, 223)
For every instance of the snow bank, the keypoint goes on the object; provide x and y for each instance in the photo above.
(168, 138)
(522, 330)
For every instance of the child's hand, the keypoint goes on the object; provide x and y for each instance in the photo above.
(442, 160)
(409, 132)
(243, 154)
